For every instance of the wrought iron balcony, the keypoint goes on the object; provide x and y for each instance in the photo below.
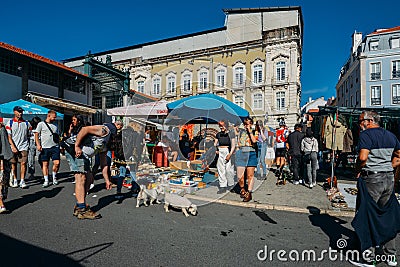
(376, 76)
(396, 100)
(396, 74)
(375, 101)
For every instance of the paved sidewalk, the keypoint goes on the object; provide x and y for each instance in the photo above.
(267, 195)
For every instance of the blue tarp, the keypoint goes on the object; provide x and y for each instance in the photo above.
(30, 109)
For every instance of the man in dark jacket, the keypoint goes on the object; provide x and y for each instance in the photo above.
(377, 149)
(294, 150)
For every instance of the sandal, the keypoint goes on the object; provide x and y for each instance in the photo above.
(242, 192)
(247, 197)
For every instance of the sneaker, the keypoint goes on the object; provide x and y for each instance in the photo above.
(73, 181)
(296, 182)
(391, 261)
(314, 183)
(363, 263)
(300, 181)
(55, 182)
(222, 190)
(45, 184)
(87, 214)
(3, 209)
(22, 184)
(311, 185)
(15, 183)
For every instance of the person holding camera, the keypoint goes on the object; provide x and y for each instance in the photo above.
(309, 146)
(47, 143)
(18, 137)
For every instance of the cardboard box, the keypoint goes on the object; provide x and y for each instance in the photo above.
(178, 165)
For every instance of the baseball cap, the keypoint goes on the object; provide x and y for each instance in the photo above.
(18, 108)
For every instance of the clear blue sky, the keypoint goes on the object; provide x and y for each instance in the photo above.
(65, 29)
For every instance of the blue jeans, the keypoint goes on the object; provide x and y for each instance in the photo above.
(262, 152)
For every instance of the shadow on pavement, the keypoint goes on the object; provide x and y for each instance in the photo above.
(96, 249)
(31, 198)
(103, 202)
(32, 255)
(263, 216)
(334, 229)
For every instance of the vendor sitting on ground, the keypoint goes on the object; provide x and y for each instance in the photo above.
(169, 149)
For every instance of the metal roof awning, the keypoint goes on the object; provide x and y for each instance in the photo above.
(58, 102)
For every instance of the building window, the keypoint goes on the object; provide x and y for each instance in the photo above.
(373, 45)
(187, 82)
(395, 43)
(203, 80)
(280, 71)
(396, 94)
(257, 74)
(239, 76)
(156, 86)
(280, 101)
(171, 85)
(375, 71)
(220, 78)
(257, 101)
(375, 95)
(396, 69)
(239, 101)
(140, 86)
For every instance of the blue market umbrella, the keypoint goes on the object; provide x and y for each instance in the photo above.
(205, 108)
(30, 109)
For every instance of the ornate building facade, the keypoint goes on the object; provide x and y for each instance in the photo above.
(254, 60)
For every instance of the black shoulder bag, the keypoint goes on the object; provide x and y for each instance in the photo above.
(56, 137)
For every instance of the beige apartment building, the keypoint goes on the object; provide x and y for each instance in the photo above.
(254, 60)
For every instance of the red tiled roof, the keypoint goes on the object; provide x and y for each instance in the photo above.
(386, 30)
(37, 57)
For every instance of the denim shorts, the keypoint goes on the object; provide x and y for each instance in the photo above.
(246, 159)
(79, 165)
(52, 152)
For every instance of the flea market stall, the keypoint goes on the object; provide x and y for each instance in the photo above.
(184, 175)
(337, 129)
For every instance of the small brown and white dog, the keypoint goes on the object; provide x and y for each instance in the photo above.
(179, 202)
(151, 194)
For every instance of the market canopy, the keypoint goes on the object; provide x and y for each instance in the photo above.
(30, 109)
(205, 108)
(158, 108)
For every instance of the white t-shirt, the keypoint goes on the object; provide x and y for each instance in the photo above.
(46, 137)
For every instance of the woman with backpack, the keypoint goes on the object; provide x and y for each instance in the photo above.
(309, 146)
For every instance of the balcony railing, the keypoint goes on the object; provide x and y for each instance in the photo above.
(279, 81)
(396, 74)
(396, 100)
(375, 101)
(376, 76)
(238, 86)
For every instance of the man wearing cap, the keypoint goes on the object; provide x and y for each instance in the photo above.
(18, 132)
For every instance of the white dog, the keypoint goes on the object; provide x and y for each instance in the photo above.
(179, 202)
(145, 194)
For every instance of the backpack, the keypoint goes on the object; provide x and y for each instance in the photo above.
(281, 135)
